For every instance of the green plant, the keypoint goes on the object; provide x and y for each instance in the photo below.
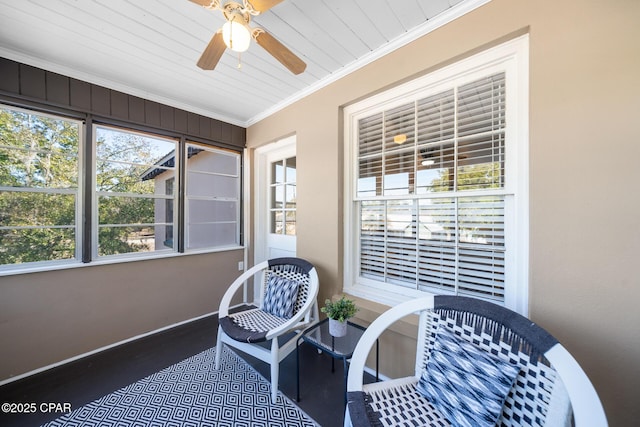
(339, 310)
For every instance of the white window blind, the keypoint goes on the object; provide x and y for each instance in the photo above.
(430, 191)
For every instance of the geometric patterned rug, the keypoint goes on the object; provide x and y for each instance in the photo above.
(193, 393)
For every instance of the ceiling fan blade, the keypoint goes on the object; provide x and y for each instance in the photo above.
(203, 3)
(280, 52)
(263, 5)
(212, 53)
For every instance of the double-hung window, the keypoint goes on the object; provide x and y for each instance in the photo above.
(128, 203)
(39, 187)
(437, 184)
(212, 198)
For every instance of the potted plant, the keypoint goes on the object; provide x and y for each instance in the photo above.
(338, 313)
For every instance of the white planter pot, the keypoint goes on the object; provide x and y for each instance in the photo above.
(337, 329)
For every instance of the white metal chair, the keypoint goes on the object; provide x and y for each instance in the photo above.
(248, 330)
(550, 387)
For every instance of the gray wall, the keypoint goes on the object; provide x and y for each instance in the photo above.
(47, 317)
(55, 315)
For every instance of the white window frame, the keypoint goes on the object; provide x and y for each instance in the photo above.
(236, 157)
(95, 196)
(285, 147)
(511, 58)
(77, 192)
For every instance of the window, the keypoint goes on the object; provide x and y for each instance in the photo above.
(213, 198)
(282, 211)
(39, 187)
(438, 184)
(126, 199)
(168, 213)
(133, 185)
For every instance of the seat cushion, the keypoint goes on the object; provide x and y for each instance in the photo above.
(465, 383)
(393, 403)
(280, 296)
(250, 325)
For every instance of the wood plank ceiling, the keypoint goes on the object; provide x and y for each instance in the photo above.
(149, 48)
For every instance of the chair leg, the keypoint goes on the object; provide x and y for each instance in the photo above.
(275, 369)
(219, 347)
(316, 319)
(316, 313)
(347, 418)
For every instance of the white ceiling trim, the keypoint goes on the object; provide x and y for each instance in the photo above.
(432, 24)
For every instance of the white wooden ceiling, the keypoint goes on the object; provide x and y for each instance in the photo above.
(149, 48)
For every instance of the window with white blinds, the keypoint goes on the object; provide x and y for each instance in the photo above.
(432, 195)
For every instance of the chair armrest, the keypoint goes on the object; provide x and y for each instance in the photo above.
(586, 405)
(223, 311)
(373, 332)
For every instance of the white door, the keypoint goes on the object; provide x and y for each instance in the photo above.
(276, 200)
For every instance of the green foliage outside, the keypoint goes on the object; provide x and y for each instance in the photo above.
(122, 158)
(480, 176)
(40, 154)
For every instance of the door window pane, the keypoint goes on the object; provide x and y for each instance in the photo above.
(282, 203)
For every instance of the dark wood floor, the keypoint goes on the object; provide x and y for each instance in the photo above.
(85, 380)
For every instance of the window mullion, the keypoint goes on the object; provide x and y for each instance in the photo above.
(179, 217)
(416, 207)
(416, 221)
(386, 240)
(383, 155)
(456, 270)
(455, 140)
(88, 179)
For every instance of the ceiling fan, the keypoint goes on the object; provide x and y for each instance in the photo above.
(236, 34)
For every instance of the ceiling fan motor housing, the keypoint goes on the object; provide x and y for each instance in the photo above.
(236, 34)
(236, 12)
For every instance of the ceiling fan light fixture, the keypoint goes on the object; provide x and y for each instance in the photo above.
(236, 35)
(400, 139)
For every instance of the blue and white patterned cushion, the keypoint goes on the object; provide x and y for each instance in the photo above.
(280, 296)
(465, 383)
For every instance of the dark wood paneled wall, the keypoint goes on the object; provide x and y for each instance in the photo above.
(24, 83)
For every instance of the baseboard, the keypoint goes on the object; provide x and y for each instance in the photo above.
(107, 347)
(372, 372)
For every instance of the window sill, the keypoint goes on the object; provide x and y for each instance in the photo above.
(71, 264)
(370, 309)
(383, 296)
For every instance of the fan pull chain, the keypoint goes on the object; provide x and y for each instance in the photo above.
(239, 61)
